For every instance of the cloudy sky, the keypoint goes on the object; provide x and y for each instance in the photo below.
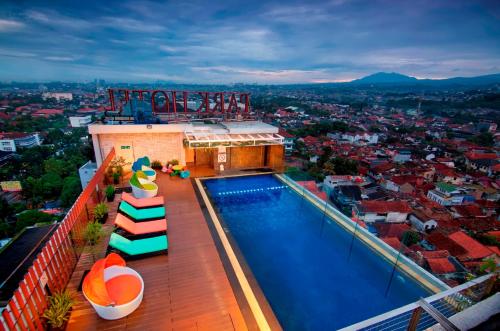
(246, 41)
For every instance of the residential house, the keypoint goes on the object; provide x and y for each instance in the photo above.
(289, 141)
(448, 194)
(80, 121)
(483, 162)
(371, 211)
(10, 141)
(474, 251)
(402, 156)
(421, 221)
(345, 196)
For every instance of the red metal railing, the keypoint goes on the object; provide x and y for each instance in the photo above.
(53, 266)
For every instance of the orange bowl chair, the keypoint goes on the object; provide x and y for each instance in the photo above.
(113, 289)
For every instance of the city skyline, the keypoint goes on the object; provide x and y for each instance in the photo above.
(257, 42)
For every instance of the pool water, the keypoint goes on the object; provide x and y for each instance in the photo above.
(301, 258)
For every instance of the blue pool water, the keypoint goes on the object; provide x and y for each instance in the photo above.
(301, 266)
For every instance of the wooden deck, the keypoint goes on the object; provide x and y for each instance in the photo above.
(186, 290)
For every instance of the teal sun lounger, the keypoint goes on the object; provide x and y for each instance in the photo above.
(138, 247)
(142, 213)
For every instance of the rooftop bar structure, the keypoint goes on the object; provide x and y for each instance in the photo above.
(219, 147)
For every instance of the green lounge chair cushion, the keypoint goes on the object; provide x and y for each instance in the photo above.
(143, 213)
(141, 174)
(135, 181)
(139, 246)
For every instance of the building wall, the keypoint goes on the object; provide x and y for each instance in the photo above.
(396, 217)
(7, 145)
(247, 157)
(157, 146)
(275, 157)
(80, 121)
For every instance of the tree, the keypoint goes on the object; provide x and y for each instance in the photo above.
(52, 185)
(483, 139)
(33, 190)
(329, 168)
(327, 154)
(410, 237)
(345, 166)
(31, 217)
(56, 166)
(70, 190)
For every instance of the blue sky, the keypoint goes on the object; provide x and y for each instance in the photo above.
(246, 41)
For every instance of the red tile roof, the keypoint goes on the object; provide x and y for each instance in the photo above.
(435, 254)
(495, 234)
(313, 188)
(14, 135)
(383, 207)
(469, 210)
(391, 230)
(442, 242)
(474, 249)
(48, 112)
(285, 134)
(441, 266)
(494, 249)
(481, 156)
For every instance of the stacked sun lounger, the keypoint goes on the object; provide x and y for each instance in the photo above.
(141, 227)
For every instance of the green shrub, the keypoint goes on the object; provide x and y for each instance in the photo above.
(100, 211)
(156, 164)
(93, 232)
(58, 309)
(174, 162)
(110, 191)
(32, 217)
(116, 178)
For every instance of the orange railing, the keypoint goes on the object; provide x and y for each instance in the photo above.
(53, 266)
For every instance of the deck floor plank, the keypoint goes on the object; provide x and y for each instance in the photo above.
(188, 289)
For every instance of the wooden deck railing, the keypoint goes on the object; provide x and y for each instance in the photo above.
(53, 266)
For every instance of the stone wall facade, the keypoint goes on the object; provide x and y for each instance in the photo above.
(157, 146)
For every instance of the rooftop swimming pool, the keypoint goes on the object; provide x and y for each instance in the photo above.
(300, 257)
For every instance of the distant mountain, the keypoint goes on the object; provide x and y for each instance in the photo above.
(385, 78)
(390, 78)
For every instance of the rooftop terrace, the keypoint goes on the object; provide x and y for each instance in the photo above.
(187, 289)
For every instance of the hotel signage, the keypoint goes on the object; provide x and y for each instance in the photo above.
(179, 102)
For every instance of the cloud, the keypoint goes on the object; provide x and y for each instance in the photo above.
(15, 53)
(60, 58)
(130, 24)
(241, 41)
(10, 25)
(54, 18)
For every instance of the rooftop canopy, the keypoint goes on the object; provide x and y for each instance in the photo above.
(206, 140)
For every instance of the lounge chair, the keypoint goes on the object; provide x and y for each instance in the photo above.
(135, 248)
(142, 214)
(142, 203)
(142, 187)
(143, 164)
(113, 289)
(136, 228)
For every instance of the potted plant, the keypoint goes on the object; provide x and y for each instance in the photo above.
(174, 162)
(110, 193)
(57, 313)
(116, 178)
(93, 232)
(156, 165)
(101, 213)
